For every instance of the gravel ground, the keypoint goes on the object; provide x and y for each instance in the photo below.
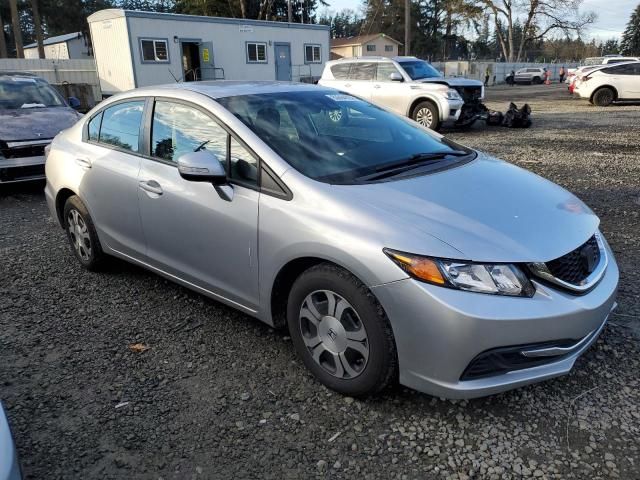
(219, 395)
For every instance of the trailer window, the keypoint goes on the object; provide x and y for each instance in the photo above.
(312, 54)
(256, 52)
(154, 50)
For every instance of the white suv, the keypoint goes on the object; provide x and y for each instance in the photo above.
(607, 84)
(408, 86)
(533, 75)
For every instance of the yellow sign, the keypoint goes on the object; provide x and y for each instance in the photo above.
(205, 54)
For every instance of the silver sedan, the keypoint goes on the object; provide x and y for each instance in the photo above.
(390, 252)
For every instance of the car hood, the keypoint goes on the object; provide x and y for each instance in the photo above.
(489, 210)
(452, 81)
(35, 123)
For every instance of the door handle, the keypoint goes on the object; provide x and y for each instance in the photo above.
(347, 85)
(151, 186)
(376, 86)
(83, 162)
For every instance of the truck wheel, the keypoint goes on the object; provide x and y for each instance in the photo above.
(604, 97)
(341, 331)
(426, 114)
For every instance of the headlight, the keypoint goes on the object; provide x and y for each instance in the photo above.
(452, 94)
(496, 279)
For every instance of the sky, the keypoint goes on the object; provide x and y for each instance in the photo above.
(613, 15)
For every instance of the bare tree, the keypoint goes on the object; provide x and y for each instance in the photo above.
(540, 17)
(17, 33)
(3, 42)
(37, 24)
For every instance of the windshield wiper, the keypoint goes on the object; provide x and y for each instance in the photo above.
(414, 161)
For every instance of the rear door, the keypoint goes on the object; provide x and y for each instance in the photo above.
(191, 232)
(388, 93)
(111, 159)
(360, 80)
(626, 80)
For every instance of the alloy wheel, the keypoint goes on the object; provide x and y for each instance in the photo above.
(424, 116)
(79, 233)
(334, 334)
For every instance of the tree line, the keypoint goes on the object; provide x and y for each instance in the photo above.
(503, 30)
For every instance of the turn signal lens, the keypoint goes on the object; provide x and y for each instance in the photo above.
(422, 268)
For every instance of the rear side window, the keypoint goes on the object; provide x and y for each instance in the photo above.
(363, 71)
(94, 127)
(622, 70)
(121, 125)
(341, 71)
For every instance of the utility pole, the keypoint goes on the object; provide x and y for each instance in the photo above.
(38, 27)
(289, 12)
(407, 26)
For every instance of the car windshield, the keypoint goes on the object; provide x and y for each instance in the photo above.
(418, 69)
(25, 92)
(336, 138)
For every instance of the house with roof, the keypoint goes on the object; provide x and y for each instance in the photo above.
(375, 44)
(62, 47)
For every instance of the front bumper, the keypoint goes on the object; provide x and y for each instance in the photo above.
(440, 331)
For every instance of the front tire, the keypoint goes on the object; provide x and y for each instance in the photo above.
(604, 97)
(82, 235)
(426, 114)
(341, 331)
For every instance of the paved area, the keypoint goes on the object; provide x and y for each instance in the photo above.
(219, 395)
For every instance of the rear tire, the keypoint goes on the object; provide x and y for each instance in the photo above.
(82, 235)
(341, 331)
(604, 97)
(426, 114)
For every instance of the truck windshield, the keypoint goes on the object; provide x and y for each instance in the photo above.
(418, 69)
(339, 139)
(25, 92)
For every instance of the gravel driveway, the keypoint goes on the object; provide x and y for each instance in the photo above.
(219, 395)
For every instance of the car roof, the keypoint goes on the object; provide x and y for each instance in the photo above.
(611, 65)
(19, 74)
(232, 88)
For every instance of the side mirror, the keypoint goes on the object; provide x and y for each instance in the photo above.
(74, 103)
(396, 77)
(202, 166)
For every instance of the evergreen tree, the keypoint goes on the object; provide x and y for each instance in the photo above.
(631, 37)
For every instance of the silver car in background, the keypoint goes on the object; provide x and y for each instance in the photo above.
(9, 466)
(390, 252)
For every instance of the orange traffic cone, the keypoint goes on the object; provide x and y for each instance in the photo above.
(548, 79)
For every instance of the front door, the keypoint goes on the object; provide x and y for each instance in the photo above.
(207, 69)
(191, 232)
(388, 93)
(283, 61)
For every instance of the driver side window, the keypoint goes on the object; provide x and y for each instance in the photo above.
(178, 129)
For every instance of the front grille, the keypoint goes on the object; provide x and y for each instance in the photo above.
(470, 94)
(22, 151)
(575, 266)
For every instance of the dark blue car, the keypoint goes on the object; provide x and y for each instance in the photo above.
(32, 112)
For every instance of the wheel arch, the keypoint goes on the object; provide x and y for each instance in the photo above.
(61, 198)
(597, 89)
(424, 98)
(285, 278)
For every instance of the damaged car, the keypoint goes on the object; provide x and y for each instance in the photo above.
(32, 112)
(408, 86)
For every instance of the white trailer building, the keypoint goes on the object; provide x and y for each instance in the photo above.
(135, 49)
